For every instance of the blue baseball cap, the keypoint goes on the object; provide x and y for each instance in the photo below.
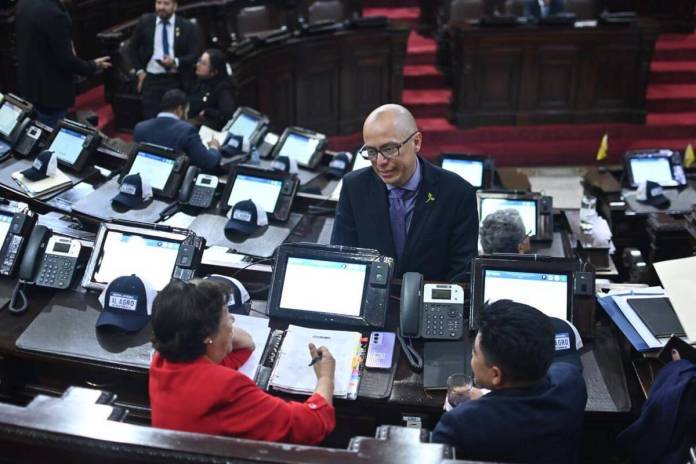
(126, 303)
(246, 217)
(340, 164)
(45, 165)
(239, 296)
(134, 191)
(568, 342)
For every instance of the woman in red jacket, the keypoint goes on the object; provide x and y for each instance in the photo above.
(195, 385)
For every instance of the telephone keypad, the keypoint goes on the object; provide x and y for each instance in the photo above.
(201, 197)
(56, 271)
(442, 321)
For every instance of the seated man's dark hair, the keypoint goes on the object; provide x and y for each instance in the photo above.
(172, 99)
(518, 338)
(183, 315)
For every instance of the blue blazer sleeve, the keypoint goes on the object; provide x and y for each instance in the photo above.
(464, 237)
(344, 230)
(205, 158)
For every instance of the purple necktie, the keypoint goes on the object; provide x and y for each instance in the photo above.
(397, 217)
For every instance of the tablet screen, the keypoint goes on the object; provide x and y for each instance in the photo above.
(124, 254)
(299, 147)
(323, 286)
(546, 292)
(5, 221)
(654, 168)
(526, 208)
(67, 145)
(244, 125)
(264, 192)
(9, 116)
(470, 170)
(156, 169)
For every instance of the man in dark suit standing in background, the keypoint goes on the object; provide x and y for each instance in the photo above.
(405, 207)
(169, 129)
(46, 58)
(165, 48)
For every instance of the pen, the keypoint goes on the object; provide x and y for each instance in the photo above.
(315, 360)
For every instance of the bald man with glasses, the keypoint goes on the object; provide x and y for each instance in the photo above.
(423, 216)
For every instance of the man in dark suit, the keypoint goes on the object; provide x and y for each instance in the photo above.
(405, 207)
(165, 48)
(168, 130)
(46, 58)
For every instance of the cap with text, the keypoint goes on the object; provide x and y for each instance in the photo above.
(285, 164)
(652, 193)
(126, 303)
(134, 191)
(45, 165)
(567, 342)
(239, 296)
(340, 164)
(246, 217)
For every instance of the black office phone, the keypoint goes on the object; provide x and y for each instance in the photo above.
(163, 168)
(20, 229)
(49, 260)
(198, 189)
(431, 311)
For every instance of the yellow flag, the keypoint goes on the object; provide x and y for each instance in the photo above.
(603, 148)
(689, 157)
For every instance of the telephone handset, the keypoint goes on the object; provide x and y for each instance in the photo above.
(431, 311)
(198, 189)
(15, 240)
(48, 261)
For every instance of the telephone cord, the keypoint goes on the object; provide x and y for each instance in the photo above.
(18, 292)
(414, 359)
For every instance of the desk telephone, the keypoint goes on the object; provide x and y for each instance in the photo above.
(198, 189)
(15, 241)
(431, 311)
(29, 141)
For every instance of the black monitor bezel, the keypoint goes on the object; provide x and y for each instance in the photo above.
(527, 196)
(565, 266)
(26, 108)
(87, 146)
(316, 156)
(486, 161)
(88, 281)
(171, 187)
(253, 171)
(263, 122)
(673, 158)
(318, 253)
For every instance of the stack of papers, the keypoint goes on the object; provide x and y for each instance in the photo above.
(292, 373)
(207, 134)
(43, 187)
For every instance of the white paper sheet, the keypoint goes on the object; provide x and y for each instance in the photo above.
(258, 328)
(292, 373)
(678, 277)
(207, 133)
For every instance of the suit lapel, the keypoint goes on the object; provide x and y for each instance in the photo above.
(379, 214)
(427, 194)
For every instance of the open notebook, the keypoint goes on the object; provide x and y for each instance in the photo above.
(292, 373)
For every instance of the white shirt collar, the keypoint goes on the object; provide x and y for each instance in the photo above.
(171, 20)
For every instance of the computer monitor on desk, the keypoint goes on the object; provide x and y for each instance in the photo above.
(662, 166)
(247, 123)
(476, 170)
(14, 114)
(304, 146)
(123, 250)
(535, 210)
(335, 285)
(548, 284)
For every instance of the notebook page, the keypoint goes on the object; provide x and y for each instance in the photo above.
(292, 373)
(258, 328)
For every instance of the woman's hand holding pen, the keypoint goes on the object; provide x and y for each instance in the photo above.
(324, 367)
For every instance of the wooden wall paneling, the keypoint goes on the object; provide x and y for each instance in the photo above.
(317, 74)
(556, 74)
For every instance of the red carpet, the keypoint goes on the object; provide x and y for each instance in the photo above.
(671, 121)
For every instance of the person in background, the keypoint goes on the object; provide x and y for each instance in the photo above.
(534, 411)
(543, 8)
(164, 48)
(169, 129)
(503, 232)
(46, 59)
(212, 100)
(194, 382)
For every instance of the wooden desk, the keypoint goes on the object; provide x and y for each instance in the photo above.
(549, 75)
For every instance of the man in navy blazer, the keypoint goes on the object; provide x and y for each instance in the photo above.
(423, 216)
(169, 130)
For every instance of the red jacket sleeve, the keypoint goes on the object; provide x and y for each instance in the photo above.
(255, 414)
(236, 358)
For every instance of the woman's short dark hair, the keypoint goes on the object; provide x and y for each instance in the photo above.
(517, 338)
(217, 61)
(183, 315)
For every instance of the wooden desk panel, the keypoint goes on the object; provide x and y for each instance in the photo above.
(549, 75)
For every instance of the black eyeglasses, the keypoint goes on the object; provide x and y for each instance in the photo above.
(388, 150)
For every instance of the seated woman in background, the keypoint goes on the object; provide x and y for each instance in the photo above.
(504, 232)
(212, 99)
(194, 384)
